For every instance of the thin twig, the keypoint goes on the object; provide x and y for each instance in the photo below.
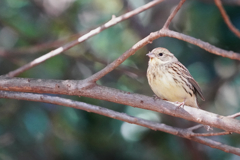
(120, 116)
(172, 15)
(93, 32)
(129, 71)
(226, 18)
(195, 127)
(235, 115)
(210, 134)
(191, 129)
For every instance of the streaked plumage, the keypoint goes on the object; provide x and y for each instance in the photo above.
(171, 80)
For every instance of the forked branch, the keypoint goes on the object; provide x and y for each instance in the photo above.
(88, 87)
(120, 116)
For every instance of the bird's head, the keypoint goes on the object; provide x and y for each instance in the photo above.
(161, 55)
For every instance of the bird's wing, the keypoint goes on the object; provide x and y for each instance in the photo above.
(189, 77)
(192, 81)
(196, 86)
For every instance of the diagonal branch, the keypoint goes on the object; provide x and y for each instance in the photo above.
(136, 47)
(184, 133)
(204, 45)
(226, 18)
(172, 15)
(163, 33)
(82, 88)
(83, 38)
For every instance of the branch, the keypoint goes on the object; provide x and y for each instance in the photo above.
(235, 115)
(131, 51)
(129, 71)
(226, 18)
(81, 39)
(191, 129)
(163, 33)
(210, 134)
(120, 116)
(204, 45)
(87, 89)
(172, 15)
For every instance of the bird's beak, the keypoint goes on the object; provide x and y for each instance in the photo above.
(150, 55)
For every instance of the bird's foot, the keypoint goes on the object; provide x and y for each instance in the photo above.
(180, 104)
(155, 97)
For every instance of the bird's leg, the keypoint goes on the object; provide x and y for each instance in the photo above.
(155, 97)
(181, 104)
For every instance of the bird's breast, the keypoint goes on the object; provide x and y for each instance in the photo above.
(166, 84)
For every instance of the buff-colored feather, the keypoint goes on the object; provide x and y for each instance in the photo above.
(170, 80)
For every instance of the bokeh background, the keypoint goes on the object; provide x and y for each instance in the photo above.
(31, 28)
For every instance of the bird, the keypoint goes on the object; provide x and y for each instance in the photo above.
(170, 80)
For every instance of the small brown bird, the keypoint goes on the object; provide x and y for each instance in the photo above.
(170, 80)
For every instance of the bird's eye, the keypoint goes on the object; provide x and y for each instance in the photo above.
(160, 54)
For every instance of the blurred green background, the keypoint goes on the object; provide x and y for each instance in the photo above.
(31, 28)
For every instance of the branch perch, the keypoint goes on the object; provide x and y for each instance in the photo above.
(89, 88)
(185, 133)
(82, 88)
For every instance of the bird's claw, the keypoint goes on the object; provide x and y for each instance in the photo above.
(180, 104)
(155, 97)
